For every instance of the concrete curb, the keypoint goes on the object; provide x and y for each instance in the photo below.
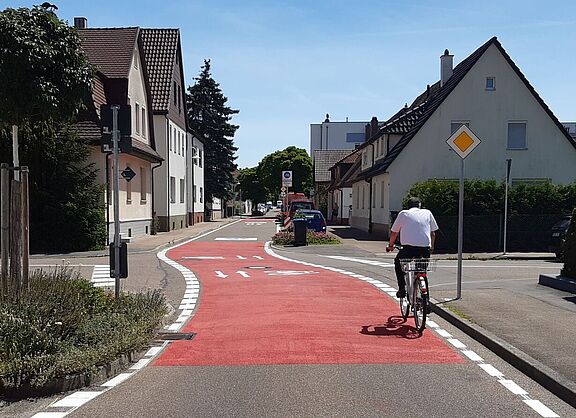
(559, 385)
(558, 282)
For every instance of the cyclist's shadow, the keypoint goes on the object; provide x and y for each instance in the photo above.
(394, 327)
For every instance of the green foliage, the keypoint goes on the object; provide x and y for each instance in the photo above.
(65, 326)
(569, 269)
(486, 197)
(297, 160)
(250, 185)
(45, 74)
(312, 238)
(66, 206)
(210, 117)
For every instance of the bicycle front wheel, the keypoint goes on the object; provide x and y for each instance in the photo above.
(404, 307)
(421, 301)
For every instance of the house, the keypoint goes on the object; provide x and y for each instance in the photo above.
(324, 201)
(178, 182)
(340, 187)
(486, 92)
(121, 79)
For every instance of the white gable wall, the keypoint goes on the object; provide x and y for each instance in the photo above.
(549, 155)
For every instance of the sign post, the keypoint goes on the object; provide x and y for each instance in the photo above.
(463, 141)
(286, 183)
(115, 141)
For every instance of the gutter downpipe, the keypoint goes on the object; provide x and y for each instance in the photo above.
(168, 173)
(153, 198)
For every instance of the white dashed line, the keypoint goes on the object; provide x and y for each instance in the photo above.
(472, 355)
(115, 381)
(76, 399)
(512, 387)
(539, 407)
(491, 370)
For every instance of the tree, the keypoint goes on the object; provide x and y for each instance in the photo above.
(293, 159)
(251, 186)
(209, 115)
(569, 269)
(66, 203)
(45, 74)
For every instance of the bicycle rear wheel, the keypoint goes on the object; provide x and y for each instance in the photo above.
(421, 301)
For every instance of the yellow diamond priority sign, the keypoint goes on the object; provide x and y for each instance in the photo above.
(463, 141)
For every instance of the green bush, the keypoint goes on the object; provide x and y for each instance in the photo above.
(569, 269)
(66, 326)
(312, 238)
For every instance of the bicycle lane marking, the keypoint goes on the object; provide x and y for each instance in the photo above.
(514, 388)
(278, 313)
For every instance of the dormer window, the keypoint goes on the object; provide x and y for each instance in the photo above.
(491, 83)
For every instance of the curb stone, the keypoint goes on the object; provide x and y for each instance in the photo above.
(543, 375)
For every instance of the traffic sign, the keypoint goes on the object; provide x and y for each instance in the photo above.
(282, 195)
(128, 174)
(283, 189)
(287, 178)
(463, 141)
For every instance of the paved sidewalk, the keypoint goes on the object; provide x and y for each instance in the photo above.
(533, 333)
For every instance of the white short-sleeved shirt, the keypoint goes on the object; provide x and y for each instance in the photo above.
(415, 225)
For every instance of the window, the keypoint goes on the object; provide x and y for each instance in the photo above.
(490, 83)
(142, 185)
(181, 190)
(174, 135)
(200, 158)
(178, 149)
(374, 198)
(179, 100)
(135, 61)
(173, 189)
(137, 118)
(144, 122)
(128, 192)
(517, 135)
(194, 193)
(363, 197)
(382, 194)
(171, 139)
(201, 194)
(456, 124)
(194, 154)
(183, 142)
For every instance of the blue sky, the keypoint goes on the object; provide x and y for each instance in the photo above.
(285, 64)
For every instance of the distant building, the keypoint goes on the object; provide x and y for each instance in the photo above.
(336, 135)
(571, 128)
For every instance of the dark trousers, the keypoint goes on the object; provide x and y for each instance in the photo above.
(407, 252)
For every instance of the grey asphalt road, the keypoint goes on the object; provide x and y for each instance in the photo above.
(338, 390)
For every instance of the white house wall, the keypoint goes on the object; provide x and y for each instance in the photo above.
(137, 96)
(549, 155)
(161, 173)
(199, 179)
(332, 135)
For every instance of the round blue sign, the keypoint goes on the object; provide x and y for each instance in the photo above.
(287, 174)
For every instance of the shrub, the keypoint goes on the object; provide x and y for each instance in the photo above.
(66, 326)
(569, 269)
(312, 238)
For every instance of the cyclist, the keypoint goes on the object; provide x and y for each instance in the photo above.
(417, 228)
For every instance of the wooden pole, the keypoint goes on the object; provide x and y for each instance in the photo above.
(15, 240)
(4, 231)
(25, 231)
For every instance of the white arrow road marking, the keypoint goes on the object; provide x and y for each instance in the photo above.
(203, 257)
(243, 273)
(289, 272)
(241, 258)
(220, 274)
(258, 257)
(235, 239)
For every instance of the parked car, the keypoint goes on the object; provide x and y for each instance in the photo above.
(558, 235)
(314, 219)
(300, 204)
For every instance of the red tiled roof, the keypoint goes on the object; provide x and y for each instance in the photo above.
(110, 49)
(160, 49)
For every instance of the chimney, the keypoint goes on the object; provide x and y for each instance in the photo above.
(80, 22)
(446, 67)
(373, 126)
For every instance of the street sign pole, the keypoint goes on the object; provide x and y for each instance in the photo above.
(463, 141)
(460, 230)
(116, 140)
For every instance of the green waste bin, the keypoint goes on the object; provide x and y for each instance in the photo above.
(300, 231)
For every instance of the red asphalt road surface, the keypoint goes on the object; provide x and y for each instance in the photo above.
(322, 317)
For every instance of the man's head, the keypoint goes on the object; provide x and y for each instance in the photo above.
(413, 202)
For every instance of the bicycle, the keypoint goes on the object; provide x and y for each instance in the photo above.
(417, 296)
